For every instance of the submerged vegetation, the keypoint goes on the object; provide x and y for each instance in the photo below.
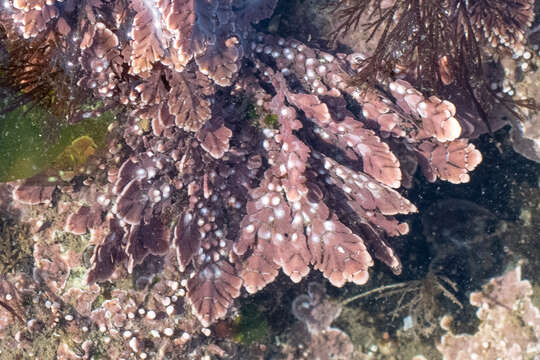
(420, 302)
(16, 244)
(443, 46)
(46, 120)
(179, 217)
(32, 140)
(250, 325)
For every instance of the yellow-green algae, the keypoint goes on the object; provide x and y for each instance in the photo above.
(271, 121)
(33, 140)
(250, 326)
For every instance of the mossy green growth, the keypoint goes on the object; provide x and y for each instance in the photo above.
(271, 121)
(16, 246)
(251, 112)
(32, 140)
(250, 326)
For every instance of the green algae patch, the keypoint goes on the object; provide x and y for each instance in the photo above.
(250, 326)
(251, 112)
(271, 121)
(75, 155)
(32, 140)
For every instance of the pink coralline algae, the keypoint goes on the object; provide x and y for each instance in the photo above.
(243, 153)
(75, 319)
(510, 323)
(317, 338)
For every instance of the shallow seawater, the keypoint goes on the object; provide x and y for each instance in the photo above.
(468, 250)
(32, 140)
